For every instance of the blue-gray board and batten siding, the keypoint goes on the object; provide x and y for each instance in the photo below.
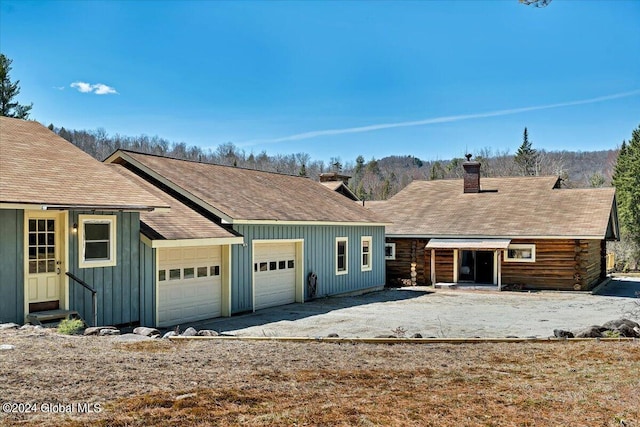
(11, 265)
(319, 258)
(118, 287)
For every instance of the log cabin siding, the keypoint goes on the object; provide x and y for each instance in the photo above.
(407, 251)
(561, 264)
(444, 265)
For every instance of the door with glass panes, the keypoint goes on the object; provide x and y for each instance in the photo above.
(44, 263)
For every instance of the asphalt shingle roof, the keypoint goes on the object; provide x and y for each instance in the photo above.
(521, 206)
(180, 222)
(245, 194)
(39, 167)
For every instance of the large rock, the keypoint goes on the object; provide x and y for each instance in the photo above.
(170, 334)
(560, 333)
(9, 326)
(147, 332)
(590, 332)
(107, 331)
(97, 330)
(131, 338)
(615, 324)
(7, 347)
(190, 332)
(207, 333)
(625, 330)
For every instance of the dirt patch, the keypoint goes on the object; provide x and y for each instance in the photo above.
(275, 383)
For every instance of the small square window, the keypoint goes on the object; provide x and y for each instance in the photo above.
(273, 265)
(189, 273)
(264, 266)
(162, 275)
(174, 274)
(390, 251)
(202, 271)
(282, 265)
(290, 264)
(215, 270)
(255, 266)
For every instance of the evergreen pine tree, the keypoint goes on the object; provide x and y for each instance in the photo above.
(527, 157)
(626, 179)
(8, 91)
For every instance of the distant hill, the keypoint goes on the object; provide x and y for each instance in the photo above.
(376, 179)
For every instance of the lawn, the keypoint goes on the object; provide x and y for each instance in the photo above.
(197, 383)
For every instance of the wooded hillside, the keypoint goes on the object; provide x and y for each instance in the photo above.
(373, 179)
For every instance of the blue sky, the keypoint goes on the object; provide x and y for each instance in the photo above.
(284, 76)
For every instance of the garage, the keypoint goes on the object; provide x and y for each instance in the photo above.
(274, 274)
(189, 284)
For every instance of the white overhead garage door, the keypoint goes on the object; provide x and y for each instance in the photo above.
(189, 284)
(274, 273)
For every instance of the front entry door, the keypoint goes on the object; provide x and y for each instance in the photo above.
(44, 263)
(484, 267)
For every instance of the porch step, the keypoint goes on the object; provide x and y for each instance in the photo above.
(52, 317)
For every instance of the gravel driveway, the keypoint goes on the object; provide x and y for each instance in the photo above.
(458, 313)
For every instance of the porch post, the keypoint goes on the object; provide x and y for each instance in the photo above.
(499, 257)
(455, 266)
(433, 268)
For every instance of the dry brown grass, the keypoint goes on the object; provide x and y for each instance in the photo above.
(270, 383)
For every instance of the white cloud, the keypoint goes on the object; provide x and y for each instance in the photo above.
(59, 87)
(445, 119)
(98, 88)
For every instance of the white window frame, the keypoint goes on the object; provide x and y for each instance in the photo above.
(346, 255)
(97, 219)
(393, 251)
(369, 240)
(529, 246)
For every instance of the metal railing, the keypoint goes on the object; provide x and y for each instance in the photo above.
(94, 298)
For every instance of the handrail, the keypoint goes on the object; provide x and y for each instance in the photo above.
(94, 299)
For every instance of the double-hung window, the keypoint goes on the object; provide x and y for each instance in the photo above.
(366, 253)
(97, 240)
(342, 259)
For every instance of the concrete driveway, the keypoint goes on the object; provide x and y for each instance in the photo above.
(459, 313)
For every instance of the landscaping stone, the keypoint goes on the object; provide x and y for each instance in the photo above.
(560, 333)
(9, 326)
(385, 336)
(107, 331)
(626, 331)
(26, 326)
(615, 324)
(333, 335)
(96, 330)
(170, 334)
(131, 338)
(207, 333)
(147, 332)
(7, 347)
(190, 332)
(416, 336)
(590, 332)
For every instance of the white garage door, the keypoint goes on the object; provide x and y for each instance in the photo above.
(189, 284)
(274, 272)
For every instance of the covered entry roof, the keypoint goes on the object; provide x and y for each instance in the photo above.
(468, 244)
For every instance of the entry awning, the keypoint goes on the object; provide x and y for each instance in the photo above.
(471, 244)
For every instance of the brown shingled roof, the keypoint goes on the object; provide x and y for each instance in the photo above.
(521, 206)
(244, 194)
(180, 222)
(39, 167)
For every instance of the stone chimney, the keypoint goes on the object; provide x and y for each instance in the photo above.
(471, 175)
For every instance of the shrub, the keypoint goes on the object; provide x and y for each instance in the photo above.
(70, 326)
